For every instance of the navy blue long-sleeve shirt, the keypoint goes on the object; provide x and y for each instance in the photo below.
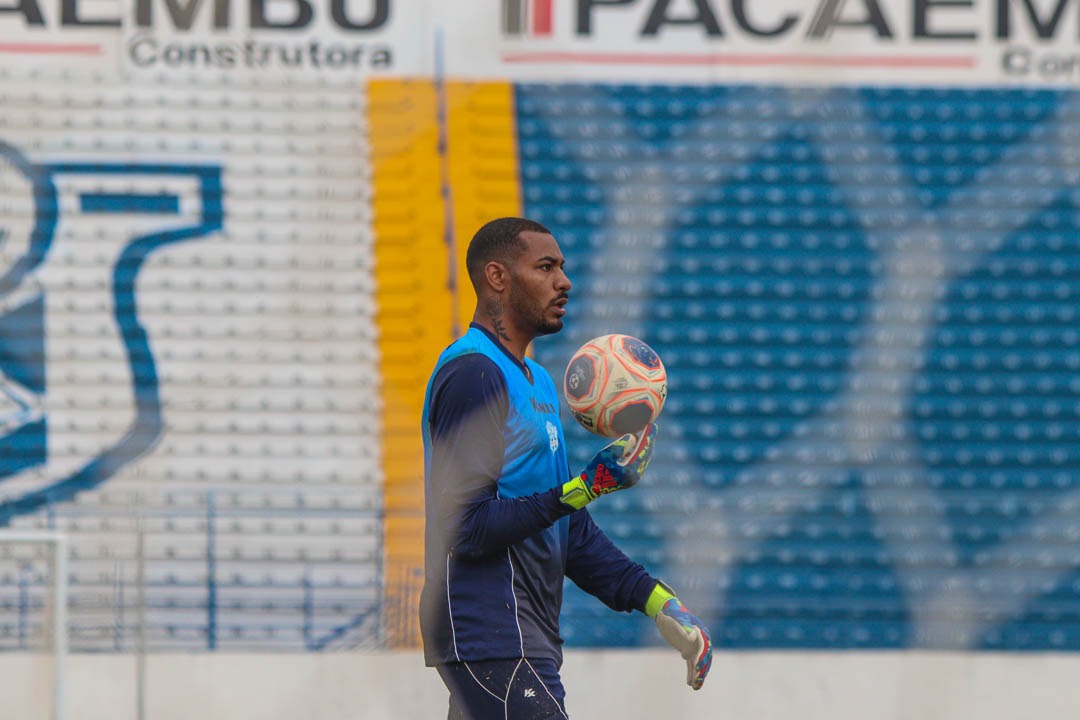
(498, 540)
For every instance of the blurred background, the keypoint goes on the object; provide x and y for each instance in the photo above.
(231, 248)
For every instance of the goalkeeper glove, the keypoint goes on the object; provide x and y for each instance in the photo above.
(619, 465)
(683, 631)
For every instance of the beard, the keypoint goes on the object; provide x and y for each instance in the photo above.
(533, 313)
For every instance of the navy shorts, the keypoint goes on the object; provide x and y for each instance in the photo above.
(521, 689)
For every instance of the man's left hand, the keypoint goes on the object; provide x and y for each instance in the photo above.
(684, 632)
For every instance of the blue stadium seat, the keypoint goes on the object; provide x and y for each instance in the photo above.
(747, 234)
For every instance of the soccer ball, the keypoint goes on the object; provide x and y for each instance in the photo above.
(615, 384)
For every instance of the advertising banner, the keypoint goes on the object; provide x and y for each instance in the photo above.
(323, 41)
(892, 42)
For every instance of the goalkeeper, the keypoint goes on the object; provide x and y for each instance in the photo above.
(506, 520)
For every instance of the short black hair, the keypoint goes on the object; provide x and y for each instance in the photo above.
(499, 240)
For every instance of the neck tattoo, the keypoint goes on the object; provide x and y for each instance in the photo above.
(500, 329)
(495, 311)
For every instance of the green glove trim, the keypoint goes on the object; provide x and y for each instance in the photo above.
(658, 598)
(576, 493)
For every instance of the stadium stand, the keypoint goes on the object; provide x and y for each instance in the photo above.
(256, 522)
(864, 300)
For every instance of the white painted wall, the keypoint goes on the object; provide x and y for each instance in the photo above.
(630, 685)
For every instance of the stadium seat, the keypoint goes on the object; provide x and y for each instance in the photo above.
(749, 233)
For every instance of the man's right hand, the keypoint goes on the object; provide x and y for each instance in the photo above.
(618, 466)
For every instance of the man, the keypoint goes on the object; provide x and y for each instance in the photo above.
(506, 521)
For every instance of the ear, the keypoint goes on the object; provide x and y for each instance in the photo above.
(496, 275)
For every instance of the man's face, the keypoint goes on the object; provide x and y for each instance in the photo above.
(539, 289)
